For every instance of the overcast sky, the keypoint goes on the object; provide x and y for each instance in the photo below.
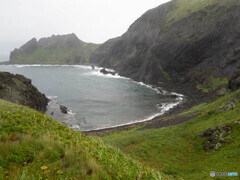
(91, 20)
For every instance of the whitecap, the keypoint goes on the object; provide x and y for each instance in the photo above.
(82, 67)
(52, 97)
(99, 74)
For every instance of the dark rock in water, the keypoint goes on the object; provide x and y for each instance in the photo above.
(234, 82)
(18, 89)
(106, 72)
(173, 96)
(93, 67)
(63, 109)
(160, 90)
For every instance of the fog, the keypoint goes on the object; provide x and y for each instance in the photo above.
(91, 20)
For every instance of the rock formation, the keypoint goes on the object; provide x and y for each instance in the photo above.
(176, 42)
(19, 90)
(60, 49)
(234, 82)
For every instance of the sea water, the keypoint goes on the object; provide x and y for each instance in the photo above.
(94, 100)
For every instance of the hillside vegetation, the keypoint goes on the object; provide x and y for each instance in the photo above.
(184, 44)
(60, 49)
(209, 141)
(34, 146)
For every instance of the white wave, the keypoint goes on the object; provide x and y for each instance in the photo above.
(148, 86)
(129, 123)
(82, 67)
(173, 93)
(52, 97)
(87, 67)
(76, 127)
(50, 65)
(36, 65)
(56, 102)
(164, 108)
(70, 112)
(107, 69)
(99, 74)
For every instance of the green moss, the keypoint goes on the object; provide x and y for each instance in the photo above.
(114, 62)
(34, 146)
(212, 84)
(178, 150)
(184, 37)
(132, 54)
(184, 8)
(165, 74)
(194, 109)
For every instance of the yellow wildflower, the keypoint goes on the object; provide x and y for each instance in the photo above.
(59, 172)
(46, 171)
(44, 167)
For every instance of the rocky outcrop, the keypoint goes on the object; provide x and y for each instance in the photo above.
(63, 109)
(104, 71)
(18, 89)
(61, 49)
(234, 82)
(175, 42)
(215, 137)
(230, 104)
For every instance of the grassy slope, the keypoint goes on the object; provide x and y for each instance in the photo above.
(34, 146)
(184, 8)
(60, 55)
(212, 84)
(178, 150)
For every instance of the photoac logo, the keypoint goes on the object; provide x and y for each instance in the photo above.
(212, 173)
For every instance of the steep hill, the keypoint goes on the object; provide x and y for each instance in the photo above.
(60, 49)
(34, 146)
(196, 43)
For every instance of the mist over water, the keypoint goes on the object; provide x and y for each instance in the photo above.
(94, 100)
(4, 57)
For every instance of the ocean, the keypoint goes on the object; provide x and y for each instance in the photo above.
(94, 101)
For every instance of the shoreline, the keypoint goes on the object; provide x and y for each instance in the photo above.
(158, 119)
(152, 118)
(180, 99)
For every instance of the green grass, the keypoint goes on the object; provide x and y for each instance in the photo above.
(132, 54)
(34, 146)
(212, 84)
(195, 109)
(114, 62)
(184, 8)
(165, 74)
(178, 150)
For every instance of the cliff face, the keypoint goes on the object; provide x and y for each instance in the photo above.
(19, 90)
(60, 49)
(178, 42)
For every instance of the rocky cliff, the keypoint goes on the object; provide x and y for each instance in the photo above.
(60, 49)
(196, 43)
(19, 90)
